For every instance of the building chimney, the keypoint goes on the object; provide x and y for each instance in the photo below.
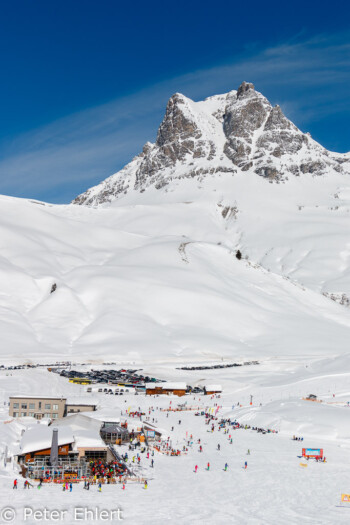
(54, 448)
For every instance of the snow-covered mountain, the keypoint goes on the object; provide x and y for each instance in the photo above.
(231, 133)
(147, 269)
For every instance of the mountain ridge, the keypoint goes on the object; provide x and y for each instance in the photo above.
(239, 131)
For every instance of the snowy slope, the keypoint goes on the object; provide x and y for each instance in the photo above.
(146, 268)
(159, 279)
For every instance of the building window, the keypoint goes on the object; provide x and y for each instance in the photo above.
(15, 405)
(31, 406)
(23, 414)
(24, 405)
(47, 414)
(47, 406)
(31, 414)
(54, 407)
(15, 414)
(39, 404)
(91, 455)
(54, 416)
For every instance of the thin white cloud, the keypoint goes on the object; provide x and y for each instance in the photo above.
(308, 79)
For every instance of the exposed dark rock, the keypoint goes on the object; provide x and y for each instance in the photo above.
(244, 88)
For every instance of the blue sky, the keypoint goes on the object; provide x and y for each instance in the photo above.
(84, 84)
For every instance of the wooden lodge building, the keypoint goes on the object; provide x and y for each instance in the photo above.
(36, 445)
(176, 389)
(209, 390)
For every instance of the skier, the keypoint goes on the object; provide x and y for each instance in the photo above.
(208, 466)
(248, 453)
(70, 487)
(200, 448)
(196, 468)
(100, 487)
(245, 464)
(15, 484)
(218, 446)
(226, 465)
(146, 484)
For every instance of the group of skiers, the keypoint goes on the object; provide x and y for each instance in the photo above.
(26, 484)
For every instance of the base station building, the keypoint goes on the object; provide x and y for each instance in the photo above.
(47, 407)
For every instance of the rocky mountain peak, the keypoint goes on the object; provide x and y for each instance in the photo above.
(245, 89)
(237, 131)
(177, 123)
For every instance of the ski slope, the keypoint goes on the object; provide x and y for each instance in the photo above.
(154, 276)
(274, 488)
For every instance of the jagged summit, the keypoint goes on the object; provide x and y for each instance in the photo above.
(244, 89)
(239, 131)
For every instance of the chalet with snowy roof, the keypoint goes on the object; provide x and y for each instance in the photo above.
(212, 389)
(176, 389)
(74, 442)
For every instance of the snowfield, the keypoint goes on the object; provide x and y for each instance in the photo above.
(226, 241)
(154, 276)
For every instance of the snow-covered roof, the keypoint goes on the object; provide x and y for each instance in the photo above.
(40, 438)
(27, 396)
(167, 386)
(87, 438)
(79, 430)
(87, 401)
(135, 426)
(174, 386)
(105, 414)
(78, 422)
(213, 388)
